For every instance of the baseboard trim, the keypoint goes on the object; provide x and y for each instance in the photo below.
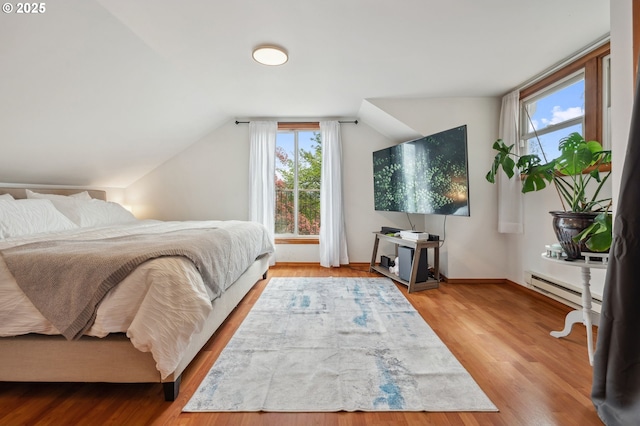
(535, 294)
(358, 265)
(290, 264)
(443, 278)
(297, 241)
(476, 280)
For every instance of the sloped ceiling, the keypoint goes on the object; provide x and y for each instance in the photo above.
(101, 92)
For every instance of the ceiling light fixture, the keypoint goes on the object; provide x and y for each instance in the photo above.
(270, 55)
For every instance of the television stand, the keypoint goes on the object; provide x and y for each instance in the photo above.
(418, 246)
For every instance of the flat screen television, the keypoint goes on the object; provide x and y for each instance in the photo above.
(427, 175)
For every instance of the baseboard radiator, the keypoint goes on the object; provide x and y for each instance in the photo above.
(563, 292)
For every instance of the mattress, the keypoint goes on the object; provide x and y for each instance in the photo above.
(159, 306)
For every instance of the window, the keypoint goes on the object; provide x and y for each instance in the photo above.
(553, 114)
(298, 168)
(572, 99)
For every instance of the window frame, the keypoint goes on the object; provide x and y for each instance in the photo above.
(635, 13)
(606, 101)
(592, 65)
(548, 91)
(296, 238)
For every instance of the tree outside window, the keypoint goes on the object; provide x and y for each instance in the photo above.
(298, 168)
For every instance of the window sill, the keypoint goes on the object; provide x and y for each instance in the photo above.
(293, 240)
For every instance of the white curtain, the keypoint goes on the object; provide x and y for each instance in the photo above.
(262, 174)
(510, 200)
(333, 241)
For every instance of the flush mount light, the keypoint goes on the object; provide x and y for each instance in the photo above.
(270, 55)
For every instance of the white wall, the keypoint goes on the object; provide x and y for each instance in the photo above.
(473, 247)
(209, 180)
(622, 82)
(192, 186)
(358, 144)
(471, 250)
(537, 231)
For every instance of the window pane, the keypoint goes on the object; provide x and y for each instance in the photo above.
(309, 169)
(285, 160)
(309, 216)
(550, 141)
(285, 181)
(310, 157)
(556, 107)
(284, 211)
(298, 189)
(606, 102)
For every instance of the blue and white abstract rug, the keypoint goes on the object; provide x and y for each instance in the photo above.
(336, 344)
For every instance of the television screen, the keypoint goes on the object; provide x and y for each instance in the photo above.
(428, 175)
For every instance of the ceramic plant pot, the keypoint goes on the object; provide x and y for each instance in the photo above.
(569, 224)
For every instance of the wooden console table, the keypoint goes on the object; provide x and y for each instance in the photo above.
(585, 315)
(417, 246)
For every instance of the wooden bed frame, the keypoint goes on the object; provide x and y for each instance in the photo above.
(112, 359)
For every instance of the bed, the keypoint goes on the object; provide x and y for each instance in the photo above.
(135, 334)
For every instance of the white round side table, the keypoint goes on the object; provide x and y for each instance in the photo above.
(585, 315)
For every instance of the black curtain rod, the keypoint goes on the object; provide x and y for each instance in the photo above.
(341, 122)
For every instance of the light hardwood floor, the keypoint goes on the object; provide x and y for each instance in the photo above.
(499, 332)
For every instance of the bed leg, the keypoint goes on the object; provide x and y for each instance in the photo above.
(264, 276)
(171, 389)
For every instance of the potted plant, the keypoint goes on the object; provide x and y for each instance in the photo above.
(585, 223)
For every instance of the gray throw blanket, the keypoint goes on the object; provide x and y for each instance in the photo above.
(66, 280)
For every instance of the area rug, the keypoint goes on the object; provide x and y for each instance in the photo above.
(336, 344)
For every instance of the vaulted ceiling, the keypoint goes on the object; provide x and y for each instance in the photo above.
(100, 92)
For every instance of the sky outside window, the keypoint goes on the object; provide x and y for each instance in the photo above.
(554, 109)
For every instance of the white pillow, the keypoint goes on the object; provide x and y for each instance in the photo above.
(6, 197)
(26, 217)
(101, 213)
(92, 212)
(85, 213)
(84, 195)
(66, 205)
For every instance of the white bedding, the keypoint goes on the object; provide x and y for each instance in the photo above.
(144, 304)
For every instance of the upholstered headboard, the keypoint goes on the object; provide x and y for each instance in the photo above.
(19, 193)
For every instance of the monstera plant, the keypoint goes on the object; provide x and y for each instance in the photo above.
(585, 223)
